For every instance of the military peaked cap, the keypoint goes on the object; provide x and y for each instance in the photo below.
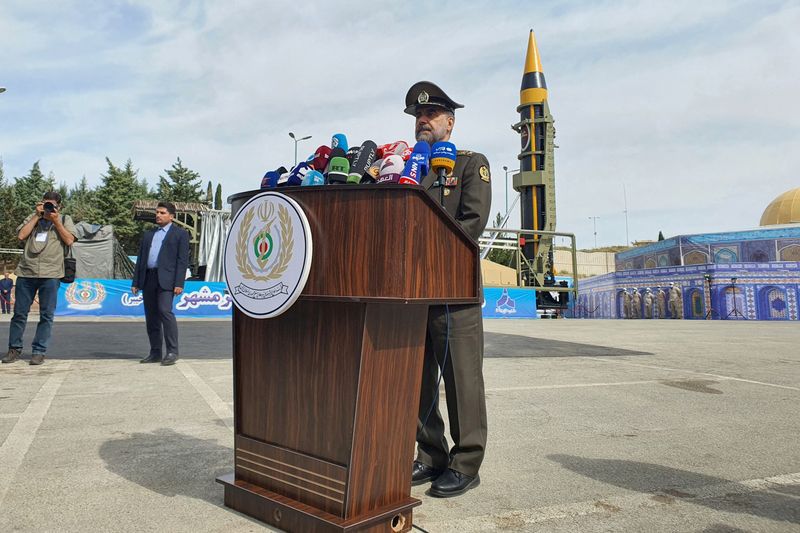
(425, 93)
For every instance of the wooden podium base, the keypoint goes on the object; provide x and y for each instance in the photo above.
(290, 515)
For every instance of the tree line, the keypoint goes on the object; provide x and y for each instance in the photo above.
(110, 202)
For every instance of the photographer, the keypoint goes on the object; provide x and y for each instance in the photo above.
(46, 232)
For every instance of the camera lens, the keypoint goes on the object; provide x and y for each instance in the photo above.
(49, 207)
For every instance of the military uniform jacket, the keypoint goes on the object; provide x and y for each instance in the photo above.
(468, 191)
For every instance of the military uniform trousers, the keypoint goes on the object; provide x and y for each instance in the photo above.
(463, 382)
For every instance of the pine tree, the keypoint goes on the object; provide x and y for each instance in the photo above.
(209, 195)
(218, 198)
(81, 204)
(11, 215)
(30, 189)
(180, 185)
(660, 236)
(114, 199)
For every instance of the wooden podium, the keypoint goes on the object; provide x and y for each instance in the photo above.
(326, 395)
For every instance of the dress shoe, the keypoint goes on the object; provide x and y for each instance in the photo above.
(37, 359)
(453, 483)
(169, 359)
(12, 355)
(151, 359)
(422, 473)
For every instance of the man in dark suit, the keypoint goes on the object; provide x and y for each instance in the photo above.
(454, 344)
(160, 274)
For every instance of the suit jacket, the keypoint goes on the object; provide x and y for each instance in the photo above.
(469, 197)
(173, 259)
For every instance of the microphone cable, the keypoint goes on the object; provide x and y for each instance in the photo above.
(441, 367)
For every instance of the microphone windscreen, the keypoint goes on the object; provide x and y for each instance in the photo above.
(313, 177)
(320, 158)
(265, 181)
(295, 177)
(391, 168)
(375, 169)
(443, 156)
(339, 140)
(351, 154)
(337, 152)
(407, 153)
(338, 168)
(363, 159)
(417, 165)
(281, 170)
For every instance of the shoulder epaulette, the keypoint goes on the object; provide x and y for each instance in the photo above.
(464, 152)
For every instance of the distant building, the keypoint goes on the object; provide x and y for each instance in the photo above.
(751, 274)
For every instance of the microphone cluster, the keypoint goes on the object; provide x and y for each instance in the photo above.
(338, 163)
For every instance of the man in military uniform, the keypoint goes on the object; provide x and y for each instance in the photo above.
(636, 304)
(675, 301)
(626, 304)
(467, 197)
(648, 303)
(661, 301)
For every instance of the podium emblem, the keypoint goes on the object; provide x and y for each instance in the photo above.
(267, 255)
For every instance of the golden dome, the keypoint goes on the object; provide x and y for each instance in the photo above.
(785, 209)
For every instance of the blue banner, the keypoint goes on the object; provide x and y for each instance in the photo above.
(511, 302)
(103, 297)
(205, 299)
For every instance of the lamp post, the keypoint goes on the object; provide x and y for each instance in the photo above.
(594, 225)
(507, 171)
(296, 140)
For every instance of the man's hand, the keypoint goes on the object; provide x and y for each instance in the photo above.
(40, 208)
(52, 216)
(135, 290)
(178, 290)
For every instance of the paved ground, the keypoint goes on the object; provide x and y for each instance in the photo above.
(594, 426)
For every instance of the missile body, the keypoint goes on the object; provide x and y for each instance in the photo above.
(536, 178)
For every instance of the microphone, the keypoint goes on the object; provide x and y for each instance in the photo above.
(443, 161)
(321, 158)
(351, 154)
(295, 176)
(313, 177)
(363, 159)
(375, 170)
(391, 168)
(407, 154)
(395, 148)
(417, 165)
(339, 141)
(270, 180)
(338, 168)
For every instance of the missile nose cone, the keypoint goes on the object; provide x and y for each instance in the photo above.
(534, 87)
(533, 62)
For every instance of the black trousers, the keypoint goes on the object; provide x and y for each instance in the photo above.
(5, 301)
(161, 324)
(463, 384)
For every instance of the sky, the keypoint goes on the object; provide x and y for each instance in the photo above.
(684, 111)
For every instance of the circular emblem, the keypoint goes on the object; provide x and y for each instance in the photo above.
(422, 98)
(525, 136)
(267, 255)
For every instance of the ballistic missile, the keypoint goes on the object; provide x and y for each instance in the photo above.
(536, 178)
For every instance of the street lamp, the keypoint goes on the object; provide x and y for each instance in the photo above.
(594, 224)
(507, 171)
(296, 140)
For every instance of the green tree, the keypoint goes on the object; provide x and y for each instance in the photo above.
(502, 257)
(114, 199)
(81, 204)
(11, 216)
(660, 236)
(180, 185)
(218, 197)
(29, 189)
(209, 194)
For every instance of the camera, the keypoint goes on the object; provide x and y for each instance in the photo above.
(49, 207)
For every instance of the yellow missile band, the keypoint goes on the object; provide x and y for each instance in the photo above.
(532, 96)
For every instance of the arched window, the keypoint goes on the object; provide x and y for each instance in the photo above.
(772, 304)
(725, 255)
(696, 299)
(695, 257)
(791, 253)
(759, 256)
(650, 263)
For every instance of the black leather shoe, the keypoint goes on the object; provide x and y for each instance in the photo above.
(422, 473)
(169, 359)
(453, 483)
(12, 355)
(151, 359)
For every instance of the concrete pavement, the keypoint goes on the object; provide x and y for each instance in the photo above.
(594, 426)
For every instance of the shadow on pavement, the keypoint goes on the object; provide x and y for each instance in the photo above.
(671, 484)
(170, 463)
(127, 340)
(509, 345)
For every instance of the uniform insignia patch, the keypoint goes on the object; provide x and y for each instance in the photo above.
(451, 181)
(422, 98)
(447, 192)
(484, 172)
